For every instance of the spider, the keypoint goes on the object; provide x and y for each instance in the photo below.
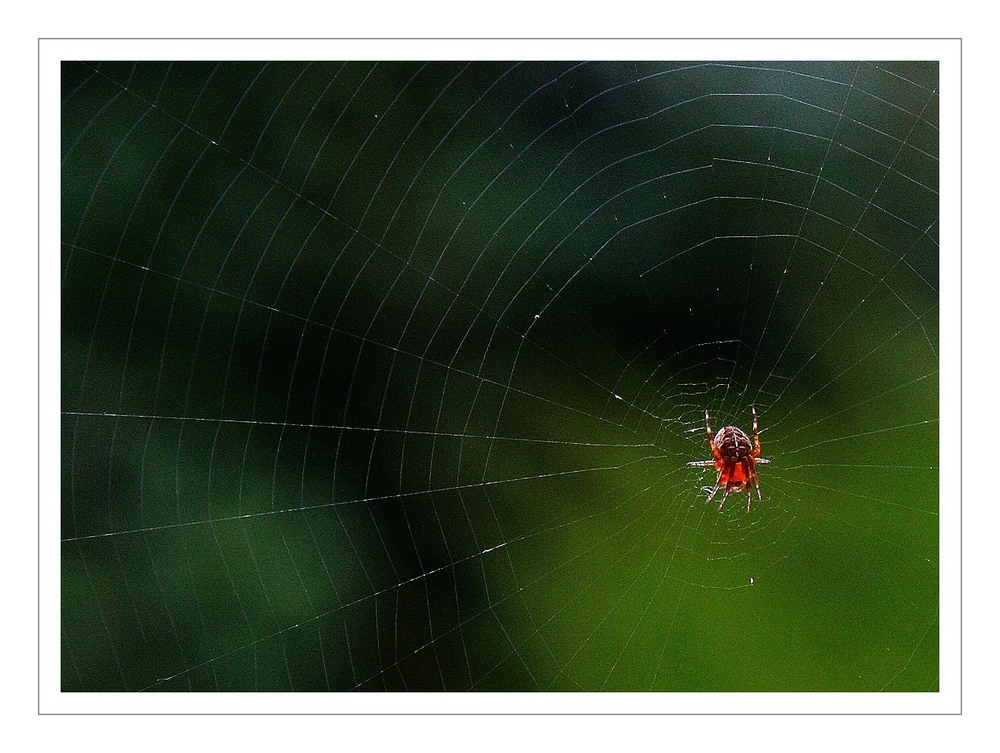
(735, 458)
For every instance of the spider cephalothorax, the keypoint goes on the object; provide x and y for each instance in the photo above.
(736, 459)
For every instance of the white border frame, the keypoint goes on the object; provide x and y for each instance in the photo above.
(53, 701)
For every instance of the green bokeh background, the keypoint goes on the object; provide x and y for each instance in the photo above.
(385, 376)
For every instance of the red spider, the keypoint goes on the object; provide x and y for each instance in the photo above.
(735, 458)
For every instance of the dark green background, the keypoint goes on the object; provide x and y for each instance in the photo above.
(385, 376)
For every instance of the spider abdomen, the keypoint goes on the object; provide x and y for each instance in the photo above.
(733, 444)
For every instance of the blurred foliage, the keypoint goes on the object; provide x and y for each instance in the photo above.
(385, 376)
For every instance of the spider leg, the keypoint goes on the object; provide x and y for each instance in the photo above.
(715, 489)
(751, 475)
(724, 498)
(725, 495)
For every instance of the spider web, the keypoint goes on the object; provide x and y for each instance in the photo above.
(385, 376)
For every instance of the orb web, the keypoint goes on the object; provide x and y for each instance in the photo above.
(386, 375)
